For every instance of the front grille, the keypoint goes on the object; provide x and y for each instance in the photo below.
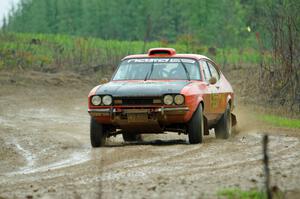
(137, 101)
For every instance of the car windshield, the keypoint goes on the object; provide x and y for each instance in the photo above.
(158, 69)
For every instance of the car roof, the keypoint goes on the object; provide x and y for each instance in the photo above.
(193, 56)
(165, 53)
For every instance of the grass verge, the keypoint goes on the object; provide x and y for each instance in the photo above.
(239, 194)
(53, 53)
(249, 194)
(281, 121)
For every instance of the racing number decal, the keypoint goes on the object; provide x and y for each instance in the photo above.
(214, 98)
(218, 102)
(214, 101)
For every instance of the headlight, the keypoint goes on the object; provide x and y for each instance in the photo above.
(96, 100)
(168, 100)
(179, 99)
(107, 100)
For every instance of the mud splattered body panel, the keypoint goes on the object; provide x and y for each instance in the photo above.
(138, 100)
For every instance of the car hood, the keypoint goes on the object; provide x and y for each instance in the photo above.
(140, 88)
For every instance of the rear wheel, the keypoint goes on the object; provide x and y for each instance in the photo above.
(223, 129)
(131, 137)
(196, 127)
(97, 133)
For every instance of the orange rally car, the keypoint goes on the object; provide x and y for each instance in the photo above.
(162, 91)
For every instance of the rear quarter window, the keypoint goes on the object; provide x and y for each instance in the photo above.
(205, 70)
(214, 72)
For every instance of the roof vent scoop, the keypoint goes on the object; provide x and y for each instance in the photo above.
(161, 52)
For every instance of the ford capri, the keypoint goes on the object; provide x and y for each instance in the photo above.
(159, 92)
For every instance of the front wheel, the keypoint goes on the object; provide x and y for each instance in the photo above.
(196, 127)
(97, 134)
(223, 129)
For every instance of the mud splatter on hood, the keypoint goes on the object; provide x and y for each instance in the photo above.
(141, 88)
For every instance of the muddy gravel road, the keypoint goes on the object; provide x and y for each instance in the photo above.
(45, 152)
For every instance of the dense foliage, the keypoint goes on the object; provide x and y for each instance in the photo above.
(209, 22)
(277, 24)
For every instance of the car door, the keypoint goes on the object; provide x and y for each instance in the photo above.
(217, 96)
(207, 97)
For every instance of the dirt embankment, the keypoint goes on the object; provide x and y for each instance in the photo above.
(45, 150)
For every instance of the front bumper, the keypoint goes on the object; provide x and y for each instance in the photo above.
(144, 119)
(161, 110)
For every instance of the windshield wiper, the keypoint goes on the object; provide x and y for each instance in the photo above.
(186, 71)
(149, 72)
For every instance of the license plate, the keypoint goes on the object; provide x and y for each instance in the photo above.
(140, 117)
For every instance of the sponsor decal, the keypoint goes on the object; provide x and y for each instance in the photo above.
(161, 60)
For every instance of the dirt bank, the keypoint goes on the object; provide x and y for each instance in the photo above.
(45, 151)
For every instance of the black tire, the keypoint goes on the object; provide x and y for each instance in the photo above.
(97, 134)
(223, 129)
(131, 137)
(196, 127)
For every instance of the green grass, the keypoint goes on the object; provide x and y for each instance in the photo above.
(281, 121)
(239, 194)
(64, 52)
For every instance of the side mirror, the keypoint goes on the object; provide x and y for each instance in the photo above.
(103, 80)
(213, 80)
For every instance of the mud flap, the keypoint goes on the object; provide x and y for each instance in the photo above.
(233, 120)
(206, 130)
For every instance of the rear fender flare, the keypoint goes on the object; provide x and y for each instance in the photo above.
(229, 101)
(233, 117)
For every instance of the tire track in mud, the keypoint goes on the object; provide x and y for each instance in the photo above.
(202, 158)
(27, 155)
(171, 160)
(33, 159)
(75, 158)
(208, 173)
(28, 141)
(195, 153)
